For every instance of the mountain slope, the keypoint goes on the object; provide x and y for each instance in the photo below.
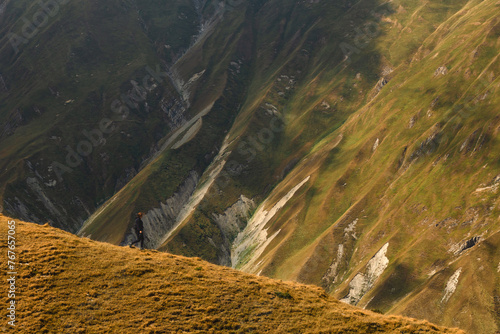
(85, 100)
(68, 284)
(398, 197)
(352, 145)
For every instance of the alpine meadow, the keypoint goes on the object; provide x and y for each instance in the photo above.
(289, 158)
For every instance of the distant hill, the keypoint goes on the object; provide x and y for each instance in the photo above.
(67, 284)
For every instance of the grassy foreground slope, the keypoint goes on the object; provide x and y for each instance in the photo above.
(68, 284)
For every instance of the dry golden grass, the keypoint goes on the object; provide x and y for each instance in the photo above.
(67, 284)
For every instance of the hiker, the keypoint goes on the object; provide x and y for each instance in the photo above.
(139, 230)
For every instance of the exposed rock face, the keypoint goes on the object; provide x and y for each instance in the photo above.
(362, 283)
(16, 204)
(207, 179)
(332, 273)
(283, 100)
(174, 111)
(491, 187)
(451, 286)
(380, 84)
(193, 130)
(255, 236)
(375, 145)
(34, 185)
(442, 70)
(158, 221)
(232, 222)
(39, 193)
(463, 246)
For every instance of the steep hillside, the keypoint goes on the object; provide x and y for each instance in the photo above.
(86, 96)
(398, 208)
(67, 284)
(351, 145)
(364, 159)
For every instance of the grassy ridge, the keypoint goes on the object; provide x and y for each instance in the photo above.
(66, 284)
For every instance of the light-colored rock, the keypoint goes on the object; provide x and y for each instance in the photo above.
(363, 282)
(234, 219)
(325, 105)
(232, 222)
(332, 272)
(492, 187)
(351, 229)
(159, 221)
(254, 238)
(34, 185)
(204, 185)
(193, 130)
(458, 248)
(442, 70)
(177, 132)
(451, 286)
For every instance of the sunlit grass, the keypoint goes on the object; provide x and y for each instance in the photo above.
(71, 284)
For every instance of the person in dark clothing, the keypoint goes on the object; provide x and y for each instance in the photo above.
(139, 230)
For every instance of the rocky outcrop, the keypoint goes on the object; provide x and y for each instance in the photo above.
(234, 219)
(158, 221)
(174, 111)
(35, 186)
(491, 187)
(332, 273)
(40, 197)
(375, 145)
(442, 70)
(232, 222)
(451, 286)
(15, 205)
(255, 236)
(198, 194)
(463, 246)
(363, 282)
(380, 84)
